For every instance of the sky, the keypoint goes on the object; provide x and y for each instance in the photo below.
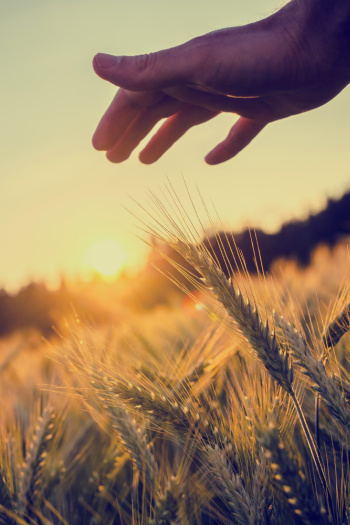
(59, 197)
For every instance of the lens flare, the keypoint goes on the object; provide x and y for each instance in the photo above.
(106, 257)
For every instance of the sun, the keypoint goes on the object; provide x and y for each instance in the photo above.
(106, 257)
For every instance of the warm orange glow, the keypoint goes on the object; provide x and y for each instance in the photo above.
(106, 257)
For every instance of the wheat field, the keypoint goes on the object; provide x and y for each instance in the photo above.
(235, 410)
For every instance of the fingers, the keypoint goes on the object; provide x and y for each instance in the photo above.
(151, 71)
(174, 128)
(140, 128)
(123, 110)
(128, 105)
(241, 134)
(132, 115)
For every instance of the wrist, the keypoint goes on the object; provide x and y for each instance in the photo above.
(329, 13)
(326, 23)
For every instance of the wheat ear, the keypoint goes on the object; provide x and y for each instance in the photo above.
(171, 414)
(5, 501)
(166, 509)
(132, 438)
(35, 461)
(261, 496)
(229, 486)
(135, 441)
(323, 384)
(290, 480)
(5, 497)
(246, 316)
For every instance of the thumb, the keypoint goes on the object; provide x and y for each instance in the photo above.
(147, 72)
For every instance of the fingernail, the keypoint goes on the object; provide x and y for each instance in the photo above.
(106, 61)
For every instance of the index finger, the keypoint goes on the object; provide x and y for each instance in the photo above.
(124, 108)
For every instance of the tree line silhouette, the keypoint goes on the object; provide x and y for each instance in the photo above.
(35, 306)
(295, 240)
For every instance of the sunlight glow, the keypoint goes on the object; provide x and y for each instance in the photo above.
(106, 257)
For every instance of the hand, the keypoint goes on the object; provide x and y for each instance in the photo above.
(291, 62)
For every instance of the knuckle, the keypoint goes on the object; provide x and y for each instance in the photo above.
(146, 62)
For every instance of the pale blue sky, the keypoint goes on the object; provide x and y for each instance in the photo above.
(58, 196)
